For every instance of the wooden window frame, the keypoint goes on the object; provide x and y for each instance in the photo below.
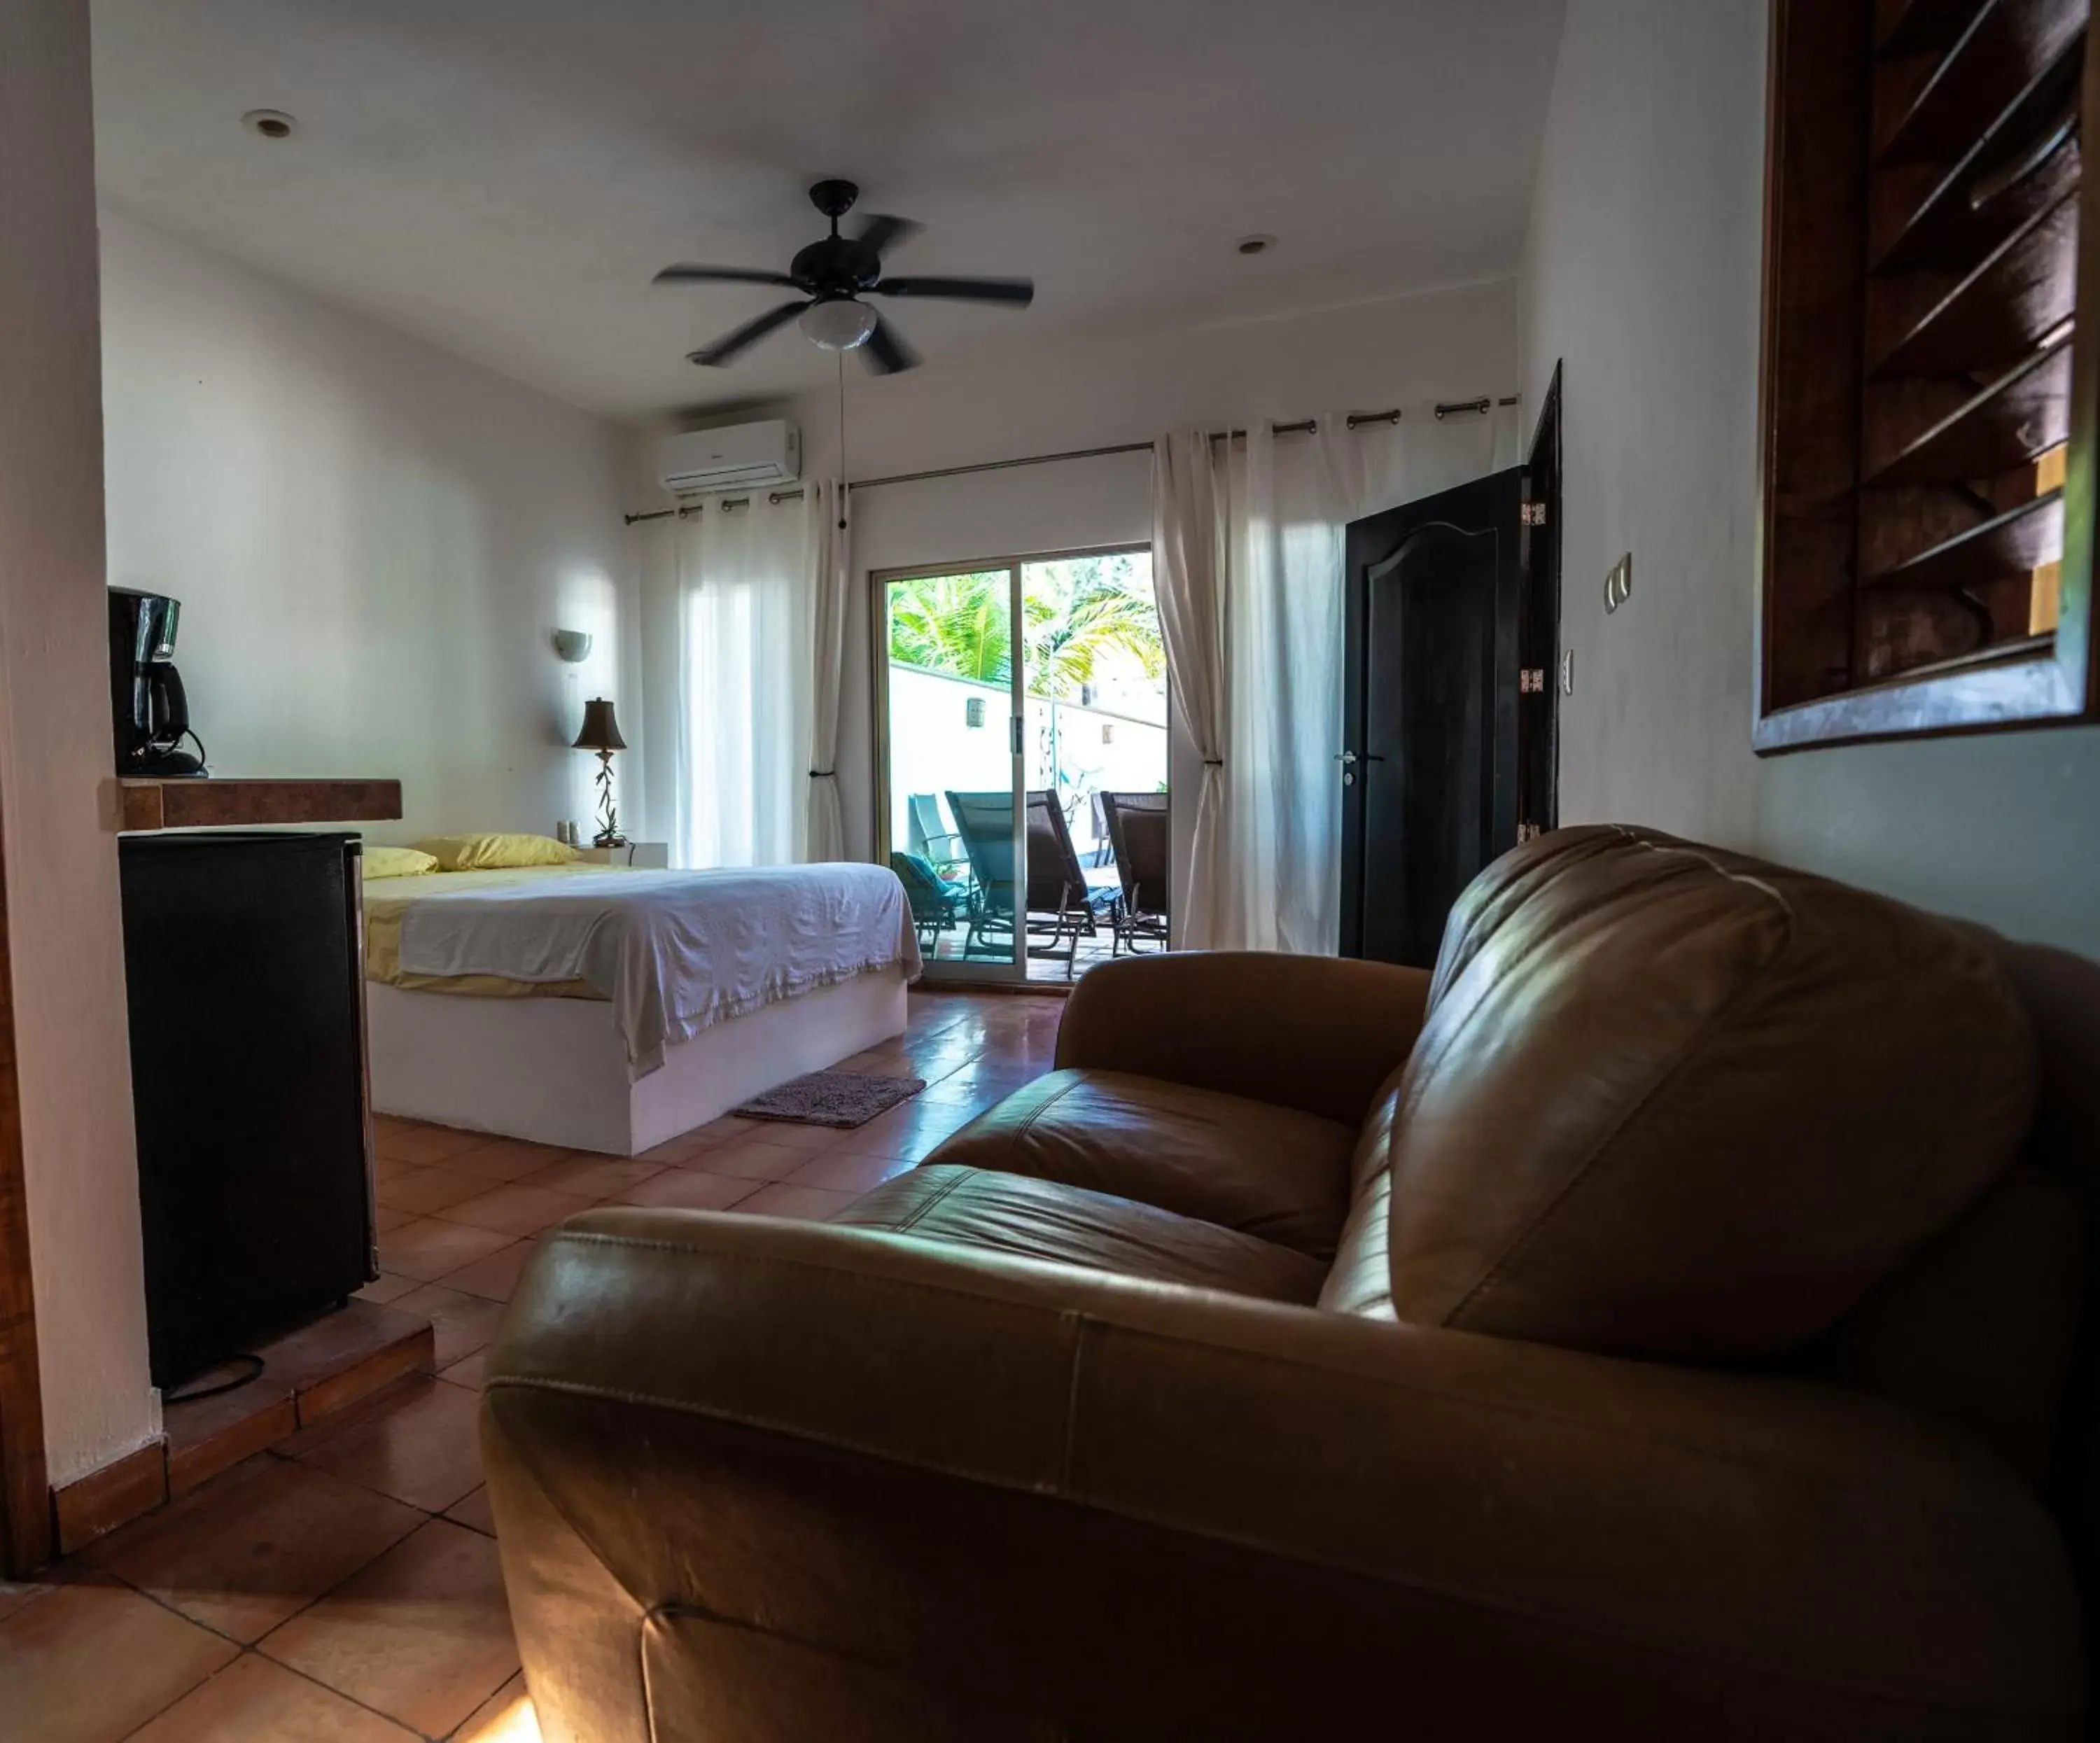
(1803, 549)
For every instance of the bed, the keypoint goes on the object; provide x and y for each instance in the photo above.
(609, 1009)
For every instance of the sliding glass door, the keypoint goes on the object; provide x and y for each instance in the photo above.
(1021, 748)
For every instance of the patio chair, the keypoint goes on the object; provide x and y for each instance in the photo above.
(1057, 904)
(931, 838)
(938, 905)
(1064, 904)
(985, 823)
(1139, 832)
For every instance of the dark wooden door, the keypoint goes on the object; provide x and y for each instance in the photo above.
(1429, 717)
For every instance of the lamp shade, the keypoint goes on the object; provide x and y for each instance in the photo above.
(601, 731)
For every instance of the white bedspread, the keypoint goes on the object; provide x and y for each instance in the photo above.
(673, 951)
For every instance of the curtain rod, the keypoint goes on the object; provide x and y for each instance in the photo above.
(1304, 427)
(684, 509)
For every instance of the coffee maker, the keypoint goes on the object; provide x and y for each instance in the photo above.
(150, 712)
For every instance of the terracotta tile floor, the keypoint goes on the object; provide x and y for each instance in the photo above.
(343, 1586)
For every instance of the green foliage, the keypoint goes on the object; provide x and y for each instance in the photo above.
(1073, 611)
(956, 624)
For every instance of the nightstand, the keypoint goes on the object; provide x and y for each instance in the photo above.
(649, 856)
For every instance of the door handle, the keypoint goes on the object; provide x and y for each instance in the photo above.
(1347, 758)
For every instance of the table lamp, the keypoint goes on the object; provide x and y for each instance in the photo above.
(600, 733)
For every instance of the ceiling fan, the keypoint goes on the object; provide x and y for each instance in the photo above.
(832, 275)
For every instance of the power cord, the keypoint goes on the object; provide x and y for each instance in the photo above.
(191, 1394)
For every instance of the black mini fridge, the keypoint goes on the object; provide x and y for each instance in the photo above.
(243, 956)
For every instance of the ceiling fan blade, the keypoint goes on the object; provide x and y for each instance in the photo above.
(730, 344)
(887, 353)
(1019, 292)
(882, 233)
(686, 272)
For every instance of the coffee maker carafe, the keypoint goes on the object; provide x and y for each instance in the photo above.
(151, 712)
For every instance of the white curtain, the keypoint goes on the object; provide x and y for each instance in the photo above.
(1281, 849)
(1267, 874)
(1192, 514)
(746, 605)
(825, 826)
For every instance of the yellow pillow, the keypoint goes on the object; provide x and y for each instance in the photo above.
(397, 862)
(486, 853)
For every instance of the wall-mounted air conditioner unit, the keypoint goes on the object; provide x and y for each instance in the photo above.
(737, 456)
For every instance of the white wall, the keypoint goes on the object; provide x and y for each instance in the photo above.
(371, 540)
(1409, 351)
(1643, 273)
(72, 1056)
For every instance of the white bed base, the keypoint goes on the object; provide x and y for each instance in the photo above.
(554, 1071)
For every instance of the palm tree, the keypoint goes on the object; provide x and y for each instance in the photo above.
(1073, 611)
(956, 624)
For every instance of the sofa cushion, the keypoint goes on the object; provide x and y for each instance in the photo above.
(1033, 1218)
(1670, 1101)
(1360, 1281)
(1266, 1170)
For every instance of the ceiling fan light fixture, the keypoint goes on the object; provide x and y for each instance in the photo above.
(837, 324)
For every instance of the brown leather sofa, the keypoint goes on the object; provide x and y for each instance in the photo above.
(1655, 1324)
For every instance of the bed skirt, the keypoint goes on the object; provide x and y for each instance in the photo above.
(554, 1071)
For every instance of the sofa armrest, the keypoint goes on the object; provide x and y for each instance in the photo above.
(790, 1474)
(1315, 1033)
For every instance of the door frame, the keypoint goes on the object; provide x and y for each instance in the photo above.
(986, 972)
(1539, 632)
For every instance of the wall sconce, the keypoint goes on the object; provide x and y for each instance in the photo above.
(572, 646)
(974, 711)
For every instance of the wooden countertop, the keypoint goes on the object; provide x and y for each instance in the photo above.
(202, 801)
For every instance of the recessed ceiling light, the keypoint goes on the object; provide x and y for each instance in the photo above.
(270, 124)
(1255, 244)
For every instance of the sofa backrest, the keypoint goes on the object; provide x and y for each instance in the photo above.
(1676, 1103)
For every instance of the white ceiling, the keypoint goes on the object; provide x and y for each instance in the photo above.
(501, 177)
